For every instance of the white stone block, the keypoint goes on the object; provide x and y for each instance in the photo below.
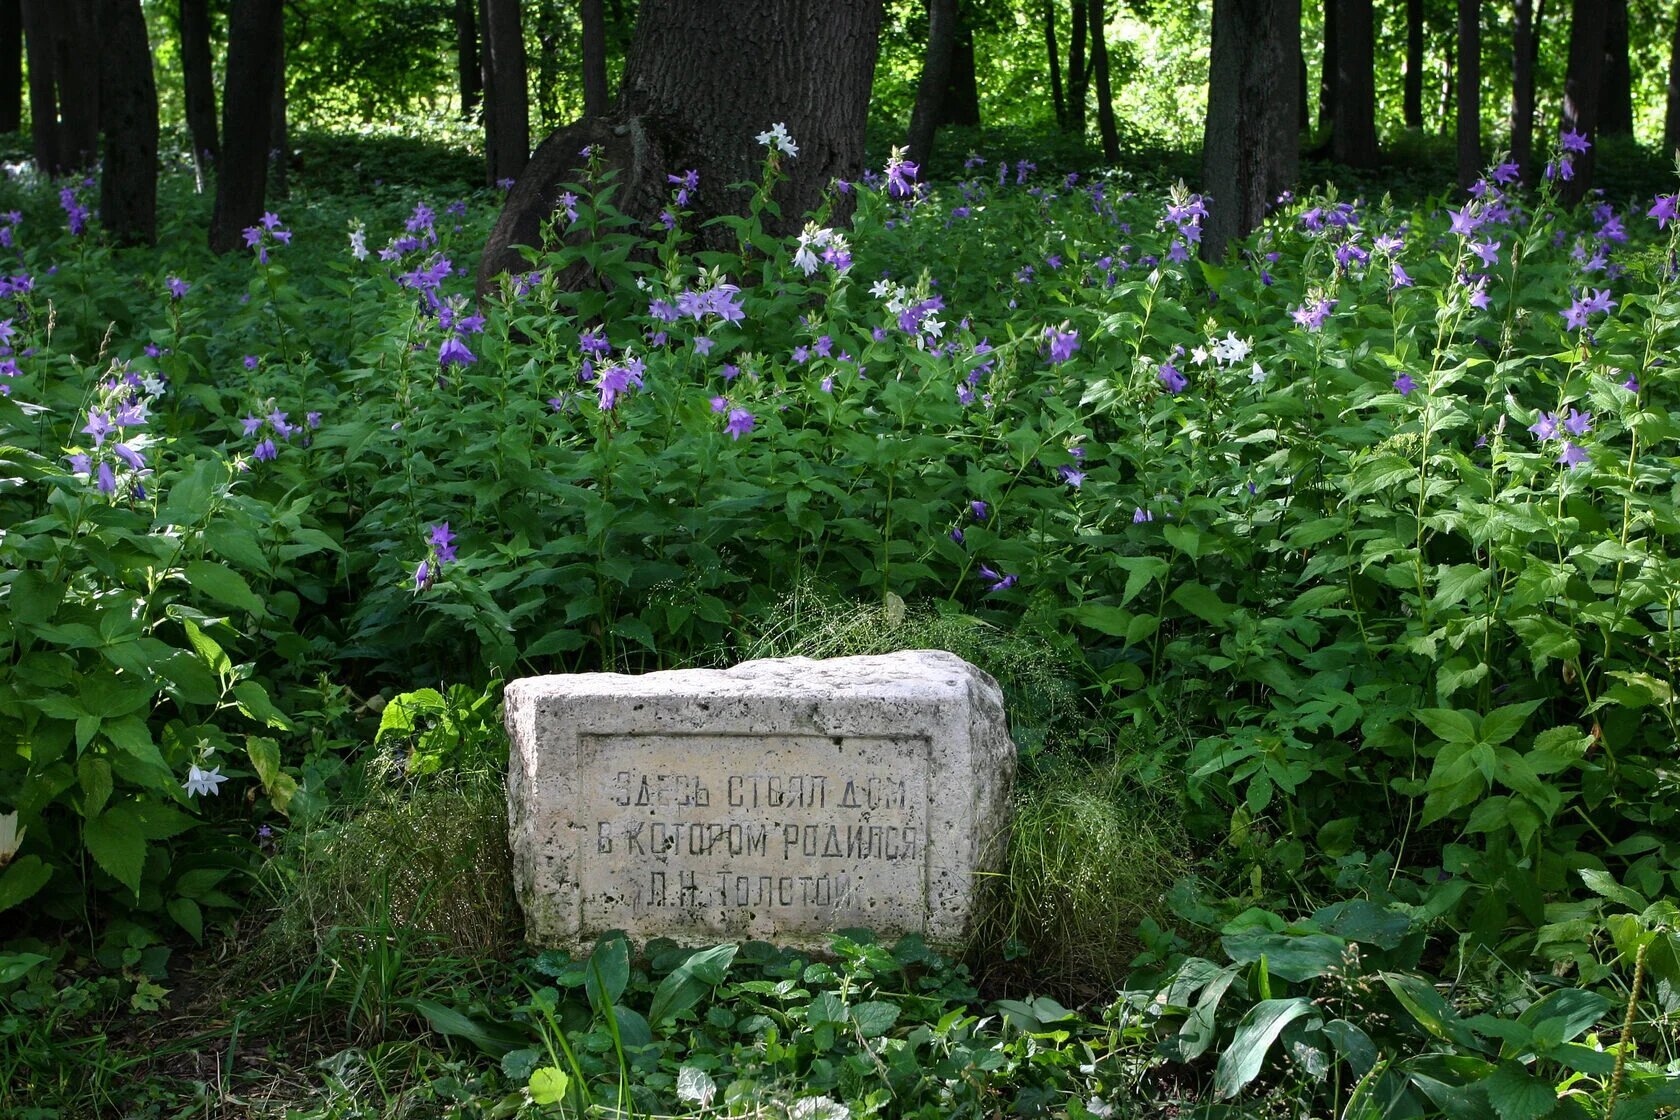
(778, 800)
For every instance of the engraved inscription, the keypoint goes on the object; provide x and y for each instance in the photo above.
(737, 833)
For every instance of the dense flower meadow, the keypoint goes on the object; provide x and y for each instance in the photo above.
(1369, 525)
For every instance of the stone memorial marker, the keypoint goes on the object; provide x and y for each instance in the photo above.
(779, 800)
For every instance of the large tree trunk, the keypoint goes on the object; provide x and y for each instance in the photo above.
(1615, 103)
(279, 135)
(469, 77)
(936, 75)
(1671, 119)
(1469, 92)
(961, 105)
(1581, 91)
(1054, 53)
(128, 102)
(1250, 144)
(1327, 72)
(1353, 141)
(1079, 74)
(198, 81)
(808, 64)
(507, 110)
(11, 66)
(1522, 89)
(1412, 107)
(253, 63)
(63, 44)
(596, 97)
(1105, 96)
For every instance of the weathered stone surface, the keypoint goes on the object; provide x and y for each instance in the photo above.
(779, 800)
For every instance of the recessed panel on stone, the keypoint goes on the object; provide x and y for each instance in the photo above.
(779, 800)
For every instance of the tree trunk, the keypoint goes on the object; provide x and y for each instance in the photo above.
(547, 29)
(11, 67)
(808, 64)
(1581, 91)
(1522, 88)
(470, 79)
(279, 136)
(1079, 75)
(1353, 141)
(961, 104)
(596, 97)
(1449, 76)
(1615, 107)
(253, 61)
(1671, 119)
(1303, 115)
(1412, 110)
(507, 110)
(936, 75)
(1105, 97)
(128, 101)
(1055, 56)
(198, 80)
(63, 44)
(1469, 92)
(1250, 143)
(1327, 72)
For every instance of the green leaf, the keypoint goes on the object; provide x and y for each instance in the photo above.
(1202, 602)
(1102, 618)
(115, 841)
(1291, 957)
(875, 1018)
(690, 981)
(94, 775)
(1517, 1094)
(188, 916)
(255, 704)
(1568, 1011)
(608, 971)
(1449, 725)
(224, 585)
(1502, 724)
(549, 1085)
(1604, 884)
(695, 1086)
(1457, 582)
(1242, 1059)
(190, 492)
(21, 879)
(15, 966)
(492, 1038)
(33, 598)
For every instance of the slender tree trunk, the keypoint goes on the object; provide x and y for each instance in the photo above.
(1105, 97)
(1353, 141)
(1412, 110)
(1250, 143)
(1615, 112)
(1449, 77)
(279, 136)
(1327, 71)
(11, 66)
(1302, 113)
(1054, 53)
(198, 81)
(936, 75)
(1469, 92)
(1581, 90)
(1522, 88)
(253, 60)
(469, 76)
(43, 90)
(596, 98)
(63, 42)
(1671, 119)
(128, 102)
(1079, 75)
(507, 110)
(961, 105)
(548, 65)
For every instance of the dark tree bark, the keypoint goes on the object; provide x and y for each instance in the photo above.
(1671, 118)
(64, 61)
(1353, 140)
(1581, 90)
(1303, 114)
(595, 94)
(279, 136)
(1412, 99)
(11, 66)
(1054, 53)
(547, 28)
(936, 75)
(1615, 105)
(1079, 74)
(198, 81)
(961, 106)
(1522, 89)
(1469, 92)
(1250, 143)
(253, 62)
(1327, 72)
(808, 64)
(1105, 97)
(507, 110)
(128, 101)
(469, 77)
